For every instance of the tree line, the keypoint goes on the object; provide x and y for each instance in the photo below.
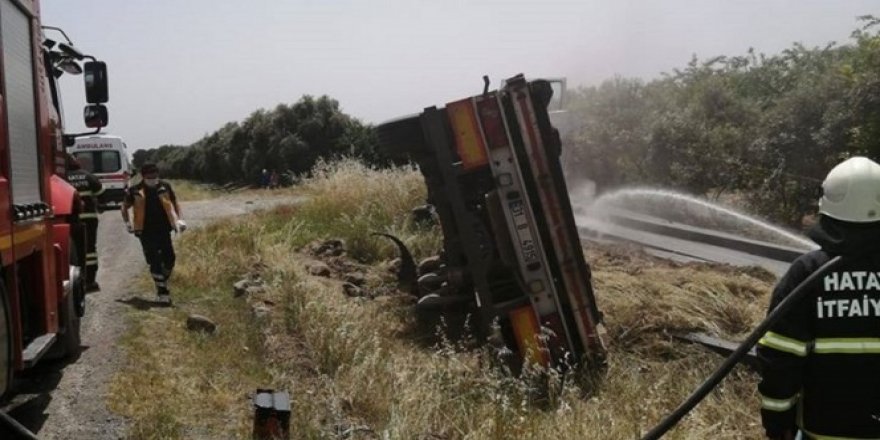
(289, 139)
(765, 128)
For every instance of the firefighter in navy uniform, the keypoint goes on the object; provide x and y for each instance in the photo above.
(821, 362)
(89, 188)
(156, 214)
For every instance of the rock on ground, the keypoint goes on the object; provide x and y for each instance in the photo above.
(200, 323)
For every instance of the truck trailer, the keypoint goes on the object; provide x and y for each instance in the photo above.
(511, 255)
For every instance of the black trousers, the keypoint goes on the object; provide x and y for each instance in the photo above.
(159, 253)
(91, 249)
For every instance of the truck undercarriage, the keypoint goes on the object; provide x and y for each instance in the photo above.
(511, 253)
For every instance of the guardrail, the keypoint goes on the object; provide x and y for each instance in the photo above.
(655, 225)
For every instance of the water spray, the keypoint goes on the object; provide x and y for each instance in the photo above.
(710, 383)
(611, 197)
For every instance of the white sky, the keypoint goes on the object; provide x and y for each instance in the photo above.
(181, 69)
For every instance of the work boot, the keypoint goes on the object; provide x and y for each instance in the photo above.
(164, 297)
(92, 287)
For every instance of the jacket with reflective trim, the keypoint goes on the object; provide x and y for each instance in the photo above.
(821, 362)
(89, 188)
(136, 198)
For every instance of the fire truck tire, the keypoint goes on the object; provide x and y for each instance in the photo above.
(68, 343)
(5, 342)
(70, 340)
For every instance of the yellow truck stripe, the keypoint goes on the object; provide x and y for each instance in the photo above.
(23, 236)
(468, 141)
(526, 331)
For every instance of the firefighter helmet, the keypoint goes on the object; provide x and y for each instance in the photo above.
(851, 191)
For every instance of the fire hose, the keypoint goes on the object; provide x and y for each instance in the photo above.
(727, 366)
(17, 428)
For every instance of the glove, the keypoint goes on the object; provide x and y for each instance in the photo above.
(129, 228)
(181, 226)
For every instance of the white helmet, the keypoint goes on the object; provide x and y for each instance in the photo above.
(851, 191)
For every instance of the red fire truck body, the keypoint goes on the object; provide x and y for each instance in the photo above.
(41, 296)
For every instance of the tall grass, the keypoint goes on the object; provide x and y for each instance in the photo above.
(355, 367)
(365, 365)
(178, 384)
(350, 201)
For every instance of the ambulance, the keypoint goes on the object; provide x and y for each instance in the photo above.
(105, 156)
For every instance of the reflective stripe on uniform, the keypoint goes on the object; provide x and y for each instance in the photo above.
(779, 405)
(92, 259)
(784, 343)
(847, 345)
(99, 192)
(85, 193)
(89, 215)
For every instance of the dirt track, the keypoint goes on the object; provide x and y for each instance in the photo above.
(67, 401)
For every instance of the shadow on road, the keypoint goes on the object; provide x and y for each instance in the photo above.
(32, 393)
(143, 304)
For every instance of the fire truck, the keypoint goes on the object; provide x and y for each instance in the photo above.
(511, 257)
(41, 240)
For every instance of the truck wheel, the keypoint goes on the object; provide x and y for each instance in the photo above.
(70, 340)
(5, 342)
(68, 343)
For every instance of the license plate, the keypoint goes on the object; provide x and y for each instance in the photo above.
(528, 247)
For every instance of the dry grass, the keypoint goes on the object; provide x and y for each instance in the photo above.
(189, 191)
(349, 201)
(356, 369)
(179, 384)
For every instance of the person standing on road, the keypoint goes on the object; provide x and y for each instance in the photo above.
(264, 179)
(273, 180)
(820, 361)
(89, 188)
(156, 214)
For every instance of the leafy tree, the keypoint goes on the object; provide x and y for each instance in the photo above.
(289, 139)
(768, 127)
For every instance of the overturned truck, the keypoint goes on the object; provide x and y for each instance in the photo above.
(511, 252)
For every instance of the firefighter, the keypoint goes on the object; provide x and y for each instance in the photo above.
(156, 214)
(821, 361)
(89, 188)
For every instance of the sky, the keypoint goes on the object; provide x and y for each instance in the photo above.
(181, 69)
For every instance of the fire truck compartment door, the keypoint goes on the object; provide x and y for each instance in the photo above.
(18, 75)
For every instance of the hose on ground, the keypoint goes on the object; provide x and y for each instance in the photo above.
(712, 381)
(17, 428)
